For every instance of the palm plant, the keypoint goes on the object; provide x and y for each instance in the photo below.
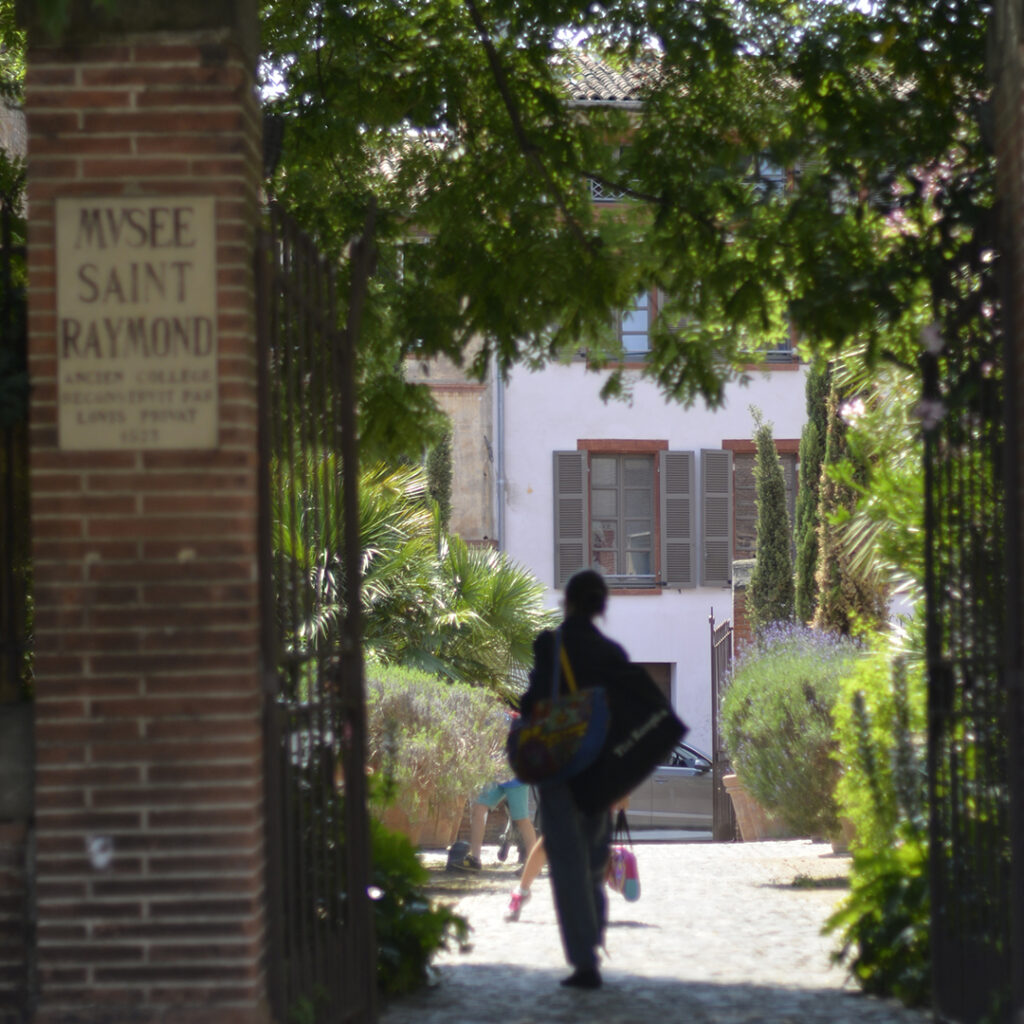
(496, 612)
(430, 601)
(884, 538)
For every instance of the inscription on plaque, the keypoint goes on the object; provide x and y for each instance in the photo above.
(136, 323)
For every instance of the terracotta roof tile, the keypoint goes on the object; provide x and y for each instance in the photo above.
(591, 80)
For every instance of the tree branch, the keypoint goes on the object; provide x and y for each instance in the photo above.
(530, 151)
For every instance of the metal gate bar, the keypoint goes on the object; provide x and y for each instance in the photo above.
(723, 817)
(14, 510)
(967, 706)
(322, 950)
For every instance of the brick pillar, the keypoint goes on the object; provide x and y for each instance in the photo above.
(143, 188)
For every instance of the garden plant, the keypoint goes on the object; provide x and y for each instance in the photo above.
(778, 727)
(880, 732)
(770, 591)
(436, 742)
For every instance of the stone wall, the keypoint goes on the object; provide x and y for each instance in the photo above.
(469, 405)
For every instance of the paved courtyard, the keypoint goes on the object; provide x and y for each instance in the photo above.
(720, 935)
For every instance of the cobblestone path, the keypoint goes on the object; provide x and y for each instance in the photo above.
(720, 935)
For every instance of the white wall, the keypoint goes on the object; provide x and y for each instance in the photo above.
(549, 411)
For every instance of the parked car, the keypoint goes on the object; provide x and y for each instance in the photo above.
(676, 795)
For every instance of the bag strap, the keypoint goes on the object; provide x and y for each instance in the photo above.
(561, 666)
(621, 828)
(567, 669)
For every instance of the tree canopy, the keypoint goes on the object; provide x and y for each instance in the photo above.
(441, 132)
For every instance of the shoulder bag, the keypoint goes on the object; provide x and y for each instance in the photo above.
(563, 733)
(642, 729)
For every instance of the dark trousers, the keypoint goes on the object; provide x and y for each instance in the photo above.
(577, 847)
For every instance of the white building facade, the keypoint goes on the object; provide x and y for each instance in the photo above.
(649, 493)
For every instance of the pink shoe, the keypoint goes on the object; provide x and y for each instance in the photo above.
(515, 904)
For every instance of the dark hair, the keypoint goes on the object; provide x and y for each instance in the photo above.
(586, 593)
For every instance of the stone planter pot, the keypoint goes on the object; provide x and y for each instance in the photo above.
(441, 828)
(754, 822)
(17, 760)
(408, 814)
(396, 819)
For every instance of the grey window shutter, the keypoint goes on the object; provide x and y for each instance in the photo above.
(716, 494)
(677, 533)
(572, 518)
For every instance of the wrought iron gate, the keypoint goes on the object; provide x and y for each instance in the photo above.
(322, 961)
(969, 546)
(723, 821)
(14, 510)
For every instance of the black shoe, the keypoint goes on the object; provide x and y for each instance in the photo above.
(588, 977)
(466, 863)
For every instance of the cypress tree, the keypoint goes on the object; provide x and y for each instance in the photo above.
(439, 476)
(770, 591)
(812, 456)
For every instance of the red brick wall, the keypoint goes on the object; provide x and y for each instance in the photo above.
(147, 645)
(14, 918)
(742, 635)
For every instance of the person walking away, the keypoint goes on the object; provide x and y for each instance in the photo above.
(577, 843)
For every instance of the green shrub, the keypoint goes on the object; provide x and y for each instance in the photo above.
(884, 921)
(428, 736)
(777, 722)
(410, 927)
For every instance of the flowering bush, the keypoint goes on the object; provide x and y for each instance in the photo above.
(777, 722)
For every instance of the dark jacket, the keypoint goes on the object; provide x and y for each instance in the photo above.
(591, 654)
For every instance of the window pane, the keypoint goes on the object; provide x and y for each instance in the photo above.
(638, 471)
(637, 503)
(634, 321)
(603, 471)
(638, 563)
(604, 504)
(638, 533)
(622, 514)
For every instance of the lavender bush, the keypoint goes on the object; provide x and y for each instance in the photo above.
(777, 722)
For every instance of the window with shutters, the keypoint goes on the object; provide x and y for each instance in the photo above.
(745, 491)
(626, 508)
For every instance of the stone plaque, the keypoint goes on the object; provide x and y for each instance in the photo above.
(136, 323)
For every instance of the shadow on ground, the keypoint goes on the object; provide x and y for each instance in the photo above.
(488, 993)
(455, 884)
